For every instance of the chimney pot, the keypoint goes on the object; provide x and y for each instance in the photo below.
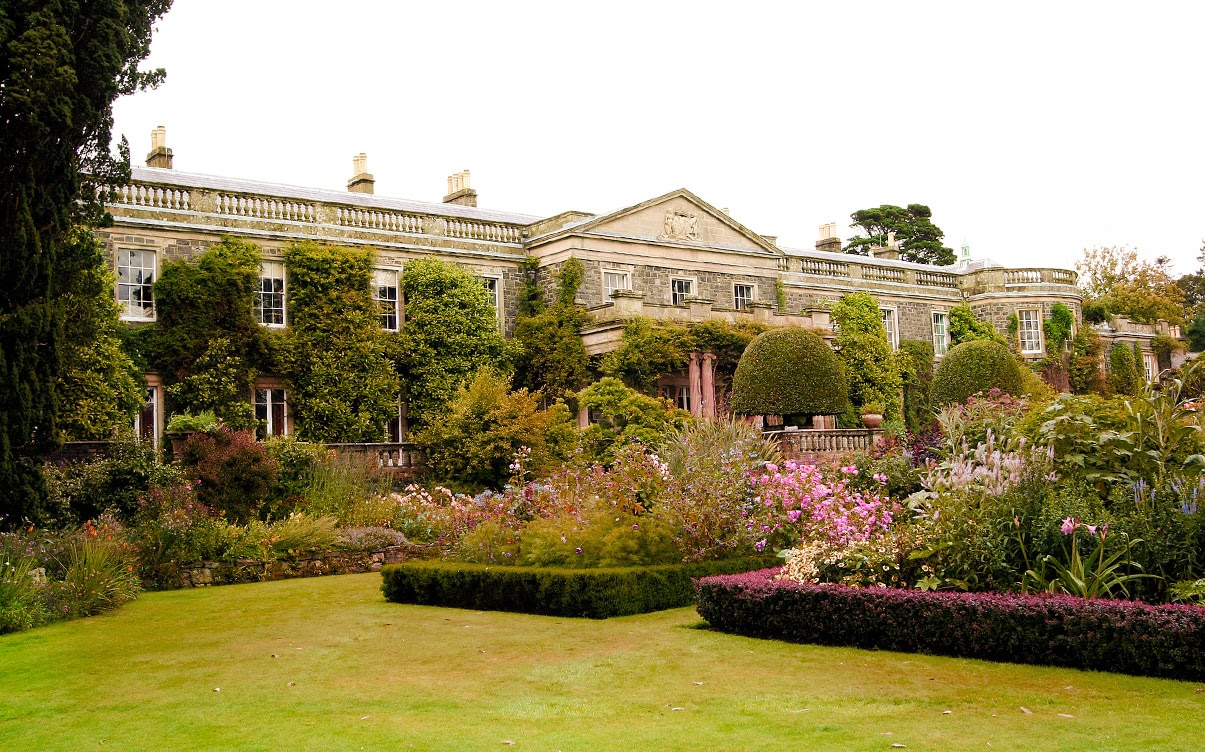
(160, 155)
(459, 191)
(361, 181)
(829, 242)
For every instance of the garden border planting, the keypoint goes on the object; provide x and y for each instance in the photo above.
(1054, 630)
(593, 593)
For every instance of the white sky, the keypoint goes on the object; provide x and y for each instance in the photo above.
(1032, 129)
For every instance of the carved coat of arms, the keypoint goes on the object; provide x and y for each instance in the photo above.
(680, 226)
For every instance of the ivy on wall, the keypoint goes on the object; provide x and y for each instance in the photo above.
(451, 331)
(342, 385)
(651, 349)
(550, 356)
(205, 337)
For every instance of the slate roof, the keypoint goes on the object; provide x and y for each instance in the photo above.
(235, 185)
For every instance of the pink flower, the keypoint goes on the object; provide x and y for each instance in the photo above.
(1069, 525)
(850, 470)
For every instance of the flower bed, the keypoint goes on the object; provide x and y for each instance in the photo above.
(1054, 630)
(593, 593)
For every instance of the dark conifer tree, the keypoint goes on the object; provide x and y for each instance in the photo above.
(62, 64)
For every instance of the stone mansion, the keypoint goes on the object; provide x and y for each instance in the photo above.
(672, 257)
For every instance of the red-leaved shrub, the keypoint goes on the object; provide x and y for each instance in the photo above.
(1053, 630)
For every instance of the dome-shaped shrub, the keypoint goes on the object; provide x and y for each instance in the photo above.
(976, 366)
(789, 371)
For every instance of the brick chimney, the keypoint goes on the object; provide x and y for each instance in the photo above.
(829, 242)
(160, 155)
(459, 191)
(361, 181)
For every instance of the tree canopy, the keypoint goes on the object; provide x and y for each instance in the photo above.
(62, 65)
(919, 239)
(1123, 283)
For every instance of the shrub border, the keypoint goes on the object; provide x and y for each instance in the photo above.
(1053, 630)
(592, 593)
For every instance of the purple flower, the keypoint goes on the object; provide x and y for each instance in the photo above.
(1069, 525)
(577, 550)
(760, 546)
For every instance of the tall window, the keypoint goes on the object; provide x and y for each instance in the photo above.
(1029, 327)
(272, 412)
(270, 300)
(384, 293)
(892, 327)
(1150, 366)
(680, 290)
(491, 286)
(678, 394)
(941, 342)
(742, 296)
(146, 421)
(135, 276)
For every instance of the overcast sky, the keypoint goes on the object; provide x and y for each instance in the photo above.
(1032, 129)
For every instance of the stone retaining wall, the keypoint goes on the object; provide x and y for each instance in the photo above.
(206, 573)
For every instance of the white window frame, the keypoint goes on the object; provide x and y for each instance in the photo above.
(1150, 366)
(891, 324)
(493, 285)
(125, 289)
(737, 304)
(262, 295)
(624, 274)
(692, 291)
(268, 424)
(1029, 331)
(383, 303)
(679, 394)
(941, 335)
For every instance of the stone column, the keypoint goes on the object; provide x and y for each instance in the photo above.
(708, 387)
(696, 385)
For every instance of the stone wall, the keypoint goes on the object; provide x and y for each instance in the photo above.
(654, 282)
(207, 573)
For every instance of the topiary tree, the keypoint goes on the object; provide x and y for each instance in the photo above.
(1123, 371)
(789, 371)
(974, 367)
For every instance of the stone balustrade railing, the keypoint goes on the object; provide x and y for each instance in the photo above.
(377, 219)
(936, 279)
(823, 268)
(255, 207)
(1040, 276)
(265, 207)
(405, 457)
(796, 445)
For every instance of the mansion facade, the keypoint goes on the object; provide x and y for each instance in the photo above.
(673, 257)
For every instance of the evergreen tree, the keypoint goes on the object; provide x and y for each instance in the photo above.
(918, 238)
(62, 64)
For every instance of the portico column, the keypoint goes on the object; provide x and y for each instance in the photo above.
(696, 386)
(708, 391)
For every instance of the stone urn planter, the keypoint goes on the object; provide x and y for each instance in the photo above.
(872, 420)
(178, 439)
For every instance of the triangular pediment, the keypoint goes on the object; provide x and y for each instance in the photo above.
(679, 217)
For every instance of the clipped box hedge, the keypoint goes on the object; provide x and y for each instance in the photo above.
(593, 593)
(1052, 630)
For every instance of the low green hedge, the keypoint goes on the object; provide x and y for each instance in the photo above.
(592, 593)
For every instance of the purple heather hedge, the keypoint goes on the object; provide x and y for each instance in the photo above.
(1051, 630)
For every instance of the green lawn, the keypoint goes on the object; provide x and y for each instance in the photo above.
(326, 664)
